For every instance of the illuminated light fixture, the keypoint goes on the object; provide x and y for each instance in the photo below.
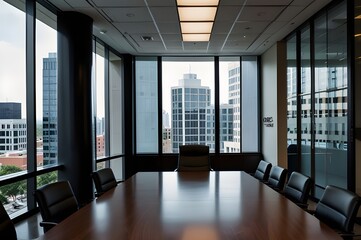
(197, 2)
(196, 27)
(196, 19)
(358, 17)
(196, 37)
(197, 14)
(358, 35)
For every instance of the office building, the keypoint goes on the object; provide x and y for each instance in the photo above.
(190, 101)
(10, 110)
(50, 110)
(12, 135)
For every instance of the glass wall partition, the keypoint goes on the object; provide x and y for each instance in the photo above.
(306, 101)
(323, 98)
(291, 96)
(331, 83)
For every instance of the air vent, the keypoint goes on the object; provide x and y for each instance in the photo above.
(147, 38)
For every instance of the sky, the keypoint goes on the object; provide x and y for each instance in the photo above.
(12, 60)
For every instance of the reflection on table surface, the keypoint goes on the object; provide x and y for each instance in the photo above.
(191, 205)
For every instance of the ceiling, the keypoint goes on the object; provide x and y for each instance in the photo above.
(242, 27)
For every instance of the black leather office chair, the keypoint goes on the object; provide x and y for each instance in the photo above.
(338, 208)
(277, 178)
(262, 171)
(193, 158)
(298, 188)
(7, 228)
(56, 202)
(104, 180)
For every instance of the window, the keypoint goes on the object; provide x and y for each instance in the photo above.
(146, 83)
(100, 123)
(46, 83)
(229, 94)
(12, 100)
(188, 88)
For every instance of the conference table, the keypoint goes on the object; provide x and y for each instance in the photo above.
(191, 206)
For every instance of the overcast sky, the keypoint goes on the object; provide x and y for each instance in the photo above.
(12, 52)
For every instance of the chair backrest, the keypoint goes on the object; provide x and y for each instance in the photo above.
(56, 201)
(104, 180)
(7, 229)
(193, 158)
(298, 187)
(338, 208)
(262, 171)
(277, 177)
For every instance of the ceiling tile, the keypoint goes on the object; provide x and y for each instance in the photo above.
(116, 3)
(264, 13)
(231, 2)
(249, 27)
(169, 27)
(161, 3)
(275, 27)
(139, 14)
(221, 27)
(289, 13)
(301, 2)
(268, 2)
(164, 14)
(145, 27)
(171, 37)
(228, 13)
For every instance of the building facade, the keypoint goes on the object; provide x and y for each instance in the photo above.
(50, 132)
(190, 101)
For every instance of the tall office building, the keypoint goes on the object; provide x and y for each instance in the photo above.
(226, 126)
(50, 133)
(10, 110)
(190, 101)
(234, 96)
(12, 128)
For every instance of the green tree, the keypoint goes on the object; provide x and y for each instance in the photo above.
(47, 178)
(13, 189)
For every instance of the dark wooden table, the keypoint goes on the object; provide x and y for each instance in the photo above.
(191, 205)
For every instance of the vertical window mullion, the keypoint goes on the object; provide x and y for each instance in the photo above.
(30, 99)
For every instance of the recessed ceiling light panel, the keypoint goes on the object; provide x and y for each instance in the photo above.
(197, 14)
(196, 37)
(196, 27)
(197, 2)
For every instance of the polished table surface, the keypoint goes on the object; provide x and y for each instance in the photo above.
(191, 205)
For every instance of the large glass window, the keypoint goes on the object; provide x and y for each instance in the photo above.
(188, 102)
(250, 101)
(229, 109)
(13, 134)
(46, 83)
(146, 82)
(100, 100)
(116, 113)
